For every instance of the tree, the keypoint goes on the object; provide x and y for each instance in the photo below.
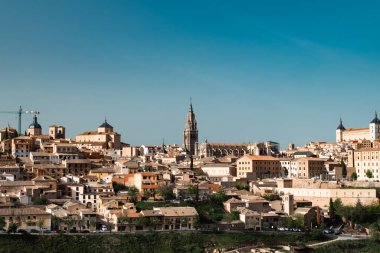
(354, 176)
(69, 221)
(286, 172)
(344, 169)
(55, 221)
(229, 217)
(93, 224)
(40, 201)
(332, 211)
(293, 222)
(118, 187)
(193, 191)
(122, 220)
(369, 174)
(165, 191)
(132, 192)
(40, 224)
(338, 206)
(219, 197)
(13, 227)
(2, 222)
(242, 186)
(374, 228)
(359, 212)
(108, 223)
(147, 194)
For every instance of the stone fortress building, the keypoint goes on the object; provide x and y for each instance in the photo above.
(370, 133)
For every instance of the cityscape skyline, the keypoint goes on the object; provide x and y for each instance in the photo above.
(256, 71)
(189, 126)
(32, 116)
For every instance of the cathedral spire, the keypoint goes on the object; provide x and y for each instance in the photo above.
(376, 119)
(190, 133)
(341, 127)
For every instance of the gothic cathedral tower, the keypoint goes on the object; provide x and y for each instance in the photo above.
(190, 134)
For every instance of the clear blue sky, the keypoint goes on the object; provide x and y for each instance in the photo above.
(256, 70)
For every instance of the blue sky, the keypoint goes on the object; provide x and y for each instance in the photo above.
(256, 70)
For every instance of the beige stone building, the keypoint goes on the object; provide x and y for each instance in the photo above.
(57, 132)
(7, 133)
(307, 167)
(26, 218)
(321, 197)
(105, 135)
(363, 160)
(251, 219)
(22, 145)
(254, 167)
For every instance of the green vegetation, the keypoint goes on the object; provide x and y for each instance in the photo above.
(146, 242)
(358, 214)
(209, 211)
(13, 228)
(363, 246)
(40, 201)
(293, 222)
(133, 192)
(369, 174)
(166, 192)
(271, 197)
(354, 176)
(332, 211)
(193, 191)
(2, 222)
(118, 187)
(242, 186)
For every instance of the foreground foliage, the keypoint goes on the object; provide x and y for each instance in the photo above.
(145, 242)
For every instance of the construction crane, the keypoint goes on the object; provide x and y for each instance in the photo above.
(19, 113)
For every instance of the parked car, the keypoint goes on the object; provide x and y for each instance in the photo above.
(22, 231)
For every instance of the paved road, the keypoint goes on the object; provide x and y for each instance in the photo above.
(342, 237)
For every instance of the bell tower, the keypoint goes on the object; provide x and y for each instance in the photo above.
(374, 128)
(339, 131)
(190, 133)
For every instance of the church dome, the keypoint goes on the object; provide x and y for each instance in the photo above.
(105, 125)
(35, 124)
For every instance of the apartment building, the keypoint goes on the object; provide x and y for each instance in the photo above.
(364, 160)
(22, 145)
(307, 167)
(254, 167)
